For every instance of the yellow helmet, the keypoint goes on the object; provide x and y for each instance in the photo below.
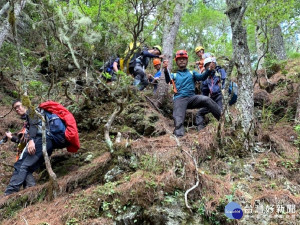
(198, 48)
(158, 48)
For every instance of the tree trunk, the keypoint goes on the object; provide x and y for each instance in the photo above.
(6, 26)
(297, 117)
(241, 57)
(260, 46)
(169, 37)
(277, 44)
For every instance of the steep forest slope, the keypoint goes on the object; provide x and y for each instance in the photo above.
(144, 180)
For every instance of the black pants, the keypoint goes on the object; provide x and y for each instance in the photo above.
(203, 111)
(28, 164)
(196, 101)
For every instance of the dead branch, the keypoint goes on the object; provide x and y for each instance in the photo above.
(107, 126)
(116, 112)
(225, 102)
(265, 31)
(6, 113)
(153, 104)
(53, 178)
(118, 138)
(25, 220)
(66, 92)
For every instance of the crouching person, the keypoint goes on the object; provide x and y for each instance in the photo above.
(210, 87)
(31, 157)
(184, 92)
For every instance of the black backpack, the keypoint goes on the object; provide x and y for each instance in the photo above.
(132, 61)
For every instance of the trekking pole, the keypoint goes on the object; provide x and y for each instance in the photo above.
(173, 83)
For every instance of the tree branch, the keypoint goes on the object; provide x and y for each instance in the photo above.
(99, 11)
(265, 52)
(53, 178)
(7, 113)
(107, 126)
(4, 9)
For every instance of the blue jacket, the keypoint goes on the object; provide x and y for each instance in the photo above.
(222, 74)
(158, 74)
(185, 81)
(211, 85)
(233, 88)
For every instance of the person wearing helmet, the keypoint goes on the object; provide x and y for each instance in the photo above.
(199, 50)
(184, 92)
(154, 79)
(210, 87)
(141, 63)
(111, 67)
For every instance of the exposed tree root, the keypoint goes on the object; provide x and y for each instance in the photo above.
(197, 182)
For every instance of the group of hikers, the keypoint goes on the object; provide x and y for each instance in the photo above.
(211, 75)
(61, 129)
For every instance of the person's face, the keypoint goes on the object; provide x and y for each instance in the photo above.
(207, 65)
(156, 51)
(157, 67)
(200, 53)
(19, 108)
(181, 62)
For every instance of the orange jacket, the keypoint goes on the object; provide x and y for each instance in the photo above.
(201, 66)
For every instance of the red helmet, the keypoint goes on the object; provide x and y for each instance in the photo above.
(181, 54)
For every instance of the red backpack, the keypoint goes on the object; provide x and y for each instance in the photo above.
(71, 132)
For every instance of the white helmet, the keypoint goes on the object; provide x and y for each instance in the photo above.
(209, 60)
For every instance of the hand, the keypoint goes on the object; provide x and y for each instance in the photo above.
(161, 56)
(165, 64)
(8, 135)
(31, 147)
(197, 63)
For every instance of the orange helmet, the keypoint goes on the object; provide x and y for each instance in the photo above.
(181, 54)
(156, 62)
